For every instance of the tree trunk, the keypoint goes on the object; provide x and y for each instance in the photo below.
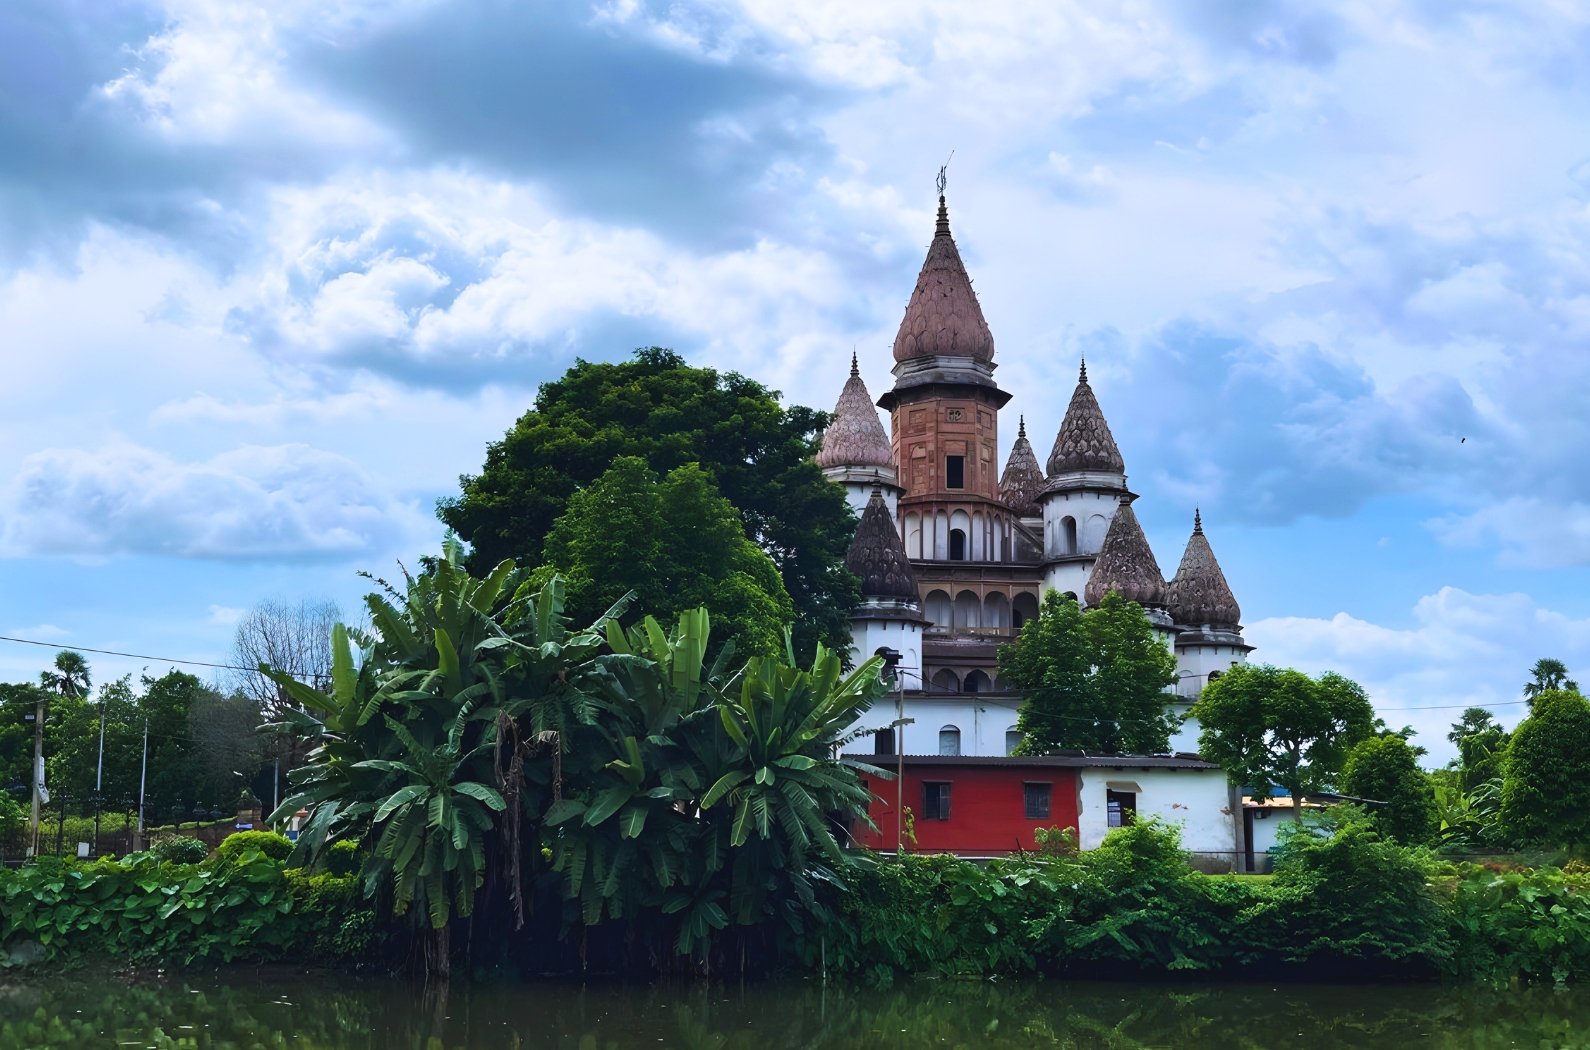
(438, 952)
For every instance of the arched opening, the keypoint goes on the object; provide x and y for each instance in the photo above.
(968, 610)
(941, 536)
(1214, 675)
(949, 741)
(1023, 607)
(977, 551)
(913, 535)
(1068, 535)
(944, 681)
(996, 610)
(957, 545)
(939, 609)
(976, 682)
(1012, 740)
(1093, 536)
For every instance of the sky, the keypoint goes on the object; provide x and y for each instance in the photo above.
(272, 277)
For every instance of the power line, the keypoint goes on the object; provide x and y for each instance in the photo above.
(134, 656)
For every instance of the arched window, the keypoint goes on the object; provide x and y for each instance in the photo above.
(1012, 740)
(944, 681)
(957, 545)
(913, 535)
(1068, 535)
(1213, 675)
(996, 610)
(949, 741)
(976, 682)
(939, 609)
(968, 610)
(1023, 607)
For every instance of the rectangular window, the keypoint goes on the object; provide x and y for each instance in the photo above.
(883, 742)
(955, 472)
(935, 800)
(1036, 798)
(1122, 806)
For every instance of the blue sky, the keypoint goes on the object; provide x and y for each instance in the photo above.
(271, 276)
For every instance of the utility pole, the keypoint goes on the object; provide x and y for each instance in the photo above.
(38, 773)
(99, 772)
(891, 661)
(143, 779)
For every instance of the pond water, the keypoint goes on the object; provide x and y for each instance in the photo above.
(248, 1012)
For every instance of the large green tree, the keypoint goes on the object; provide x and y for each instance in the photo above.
(1385, 769)
(677, 544)
(758, 452)
(1093, 680)
(1273, 727)
(1546, 786)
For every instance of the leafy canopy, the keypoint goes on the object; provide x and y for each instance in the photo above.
(1273, 727)
(1385, 769)
(675, 544)
(1546, 787)
(1548, 675)
(1093, 680)
(1482, 743)
(658, 408)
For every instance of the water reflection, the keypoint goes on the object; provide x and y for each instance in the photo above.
(327, 1014)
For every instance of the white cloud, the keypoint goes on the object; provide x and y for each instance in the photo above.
(44, 632)
(1464, 650)
(223, 614)
(286, 501)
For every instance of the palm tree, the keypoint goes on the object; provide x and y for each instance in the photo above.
(1550, 674)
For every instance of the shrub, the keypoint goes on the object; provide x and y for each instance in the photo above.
(276, 847)
(342, 858)
(1523, 923)
(179, 849)
(1386, 769)
(1546, 789)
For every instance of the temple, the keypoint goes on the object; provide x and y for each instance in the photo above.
(956, 555)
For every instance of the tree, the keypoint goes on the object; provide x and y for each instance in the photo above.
(1272, 727)
(676, 544)
(1546, 786)
(757, 452)
(1548, 675)
(1481, 742)
(1093, 680)
(1385, 769)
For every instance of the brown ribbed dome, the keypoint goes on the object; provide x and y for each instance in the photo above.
(1126, 564)
(943, 316)
(1023, 478)
(1084, 441)
(878, 556)
(1199, 594)
(855, 438)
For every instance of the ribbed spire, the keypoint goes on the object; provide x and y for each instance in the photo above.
(1126, 564)
(878, 556)
(1084, 441)
(943, 317)
(855, 438)
(1023, 478)
(1199, 594)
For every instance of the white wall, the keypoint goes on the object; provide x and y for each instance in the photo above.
(1194, 662)
(1092, 512)
(982, 723)
(1199, 800)
(868, 636)
(858, 495)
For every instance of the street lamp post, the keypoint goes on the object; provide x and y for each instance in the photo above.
(891, 663)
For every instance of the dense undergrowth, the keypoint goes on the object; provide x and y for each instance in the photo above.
(1343, 903)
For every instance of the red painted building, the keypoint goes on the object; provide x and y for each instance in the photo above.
(980, 806)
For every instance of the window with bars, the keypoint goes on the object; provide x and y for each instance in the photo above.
(936, 800)
(1035, 798)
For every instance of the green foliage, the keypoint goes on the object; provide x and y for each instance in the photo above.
(273, 845)
(12, 815)
(1093, 680)
(657, 408)
(147, 908)
(341, 858)
(1482, 743)
(1469, 820)
(676, 544)
(1527, 923)
(1546, 788)
(1384, 768)
(1549, 675)
(179, 849)
(1271, 727)
(660, 786)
